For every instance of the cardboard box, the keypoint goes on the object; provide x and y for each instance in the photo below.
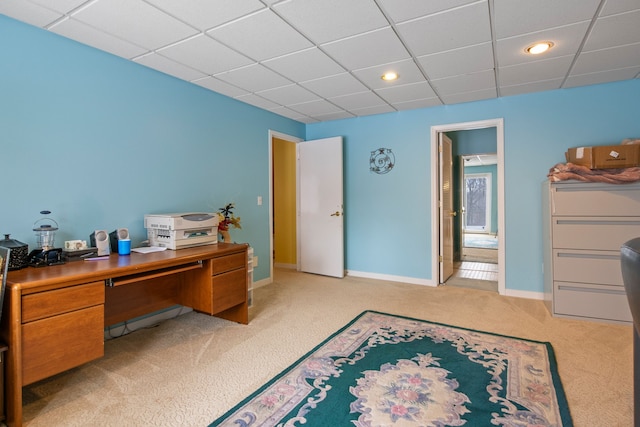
(605, 156)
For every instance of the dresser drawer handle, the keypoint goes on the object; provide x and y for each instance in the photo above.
(591, 256)
(591, 290)
(594, 222)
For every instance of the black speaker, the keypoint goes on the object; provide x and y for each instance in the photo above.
(100, 239)
(115, 235)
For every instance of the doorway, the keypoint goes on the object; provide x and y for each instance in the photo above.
(472, 268)
(306, 226)
(282, 202)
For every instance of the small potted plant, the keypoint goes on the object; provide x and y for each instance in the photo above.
(227, 219)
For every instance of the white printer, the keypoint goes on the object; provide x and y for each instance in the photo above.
(181, 230)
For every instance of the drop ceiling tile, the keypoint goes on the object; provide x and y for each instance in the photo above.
(547, 69)
(366, 50)
(286, 112)
(602, 77)
(86, 34)
(340, 84)
(257, 101)
(323, 21)
(407, 71)
(28, 12)
(612, 7)
(206, 14)
(458, 61)
(567, 40)
(434, 33)
(136, 21)
(516, 17)
(334, 116)
(356, 101)
(219, 86)
(530, 87)
(205, 54)
(61, 6)
(406, 93)
(477, 95)
(286, 95)
(313, 108)
(260, 36)
(602, 60)
(167, 66)
(417, 103)
(465, 83)
(253, 78)
(451, 38)
(308, 64)
(378, 109)
(404, 10)
(614, 31)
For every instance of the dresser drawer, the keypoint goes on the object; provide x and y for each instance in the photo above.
(595, 233)
(229, 289)
(595, 199)
(58, 301)
(228, 263)
(591, 301)
(599, 267)
(59, 343)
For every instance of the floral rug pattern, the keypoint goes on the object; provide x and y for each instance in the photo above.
(386, 370)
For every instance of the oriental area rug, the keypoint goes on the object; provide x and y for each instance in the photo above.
(387, 370)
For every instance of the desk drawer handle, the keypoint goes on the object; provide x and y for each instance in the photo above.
(142, 276)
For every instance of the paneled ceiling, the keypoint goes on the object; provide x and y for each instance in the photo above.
(317, 60)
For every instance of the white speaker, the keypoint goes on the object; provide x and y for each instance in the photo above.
(100, 240)
(123, 233)
(115, 235)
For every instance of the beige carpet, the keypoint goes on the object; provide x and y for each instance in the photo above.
(189, 370)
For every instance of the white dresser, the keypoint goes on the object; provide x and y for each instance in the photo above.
(584, 225)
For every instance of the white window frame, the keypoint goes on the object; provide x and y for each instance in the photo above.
(487, 226)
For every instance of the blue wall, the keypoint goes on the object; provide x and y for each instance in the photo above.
(388, 217)
(101, 141)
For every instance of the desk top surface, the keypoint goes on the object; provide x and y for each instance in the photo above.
(77, 272)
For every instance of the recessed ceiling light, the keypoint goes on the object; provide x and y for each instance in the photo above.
(538, 48)
(389, 76)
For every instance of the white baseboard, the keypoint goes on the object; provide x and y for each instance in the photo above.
(260, 283)
(429, 282)
(524, 294)
(287, 266)
(391, 278)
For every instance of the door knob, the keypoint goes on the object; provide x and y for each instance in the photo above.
(453, 213)
(336, 213)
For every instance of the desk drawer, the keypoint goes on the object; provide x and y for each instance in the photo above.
(58, 301)
(599, 267)
(606, 234)
(228, 263)
(591, 301)
(229, 289)
(59, 343)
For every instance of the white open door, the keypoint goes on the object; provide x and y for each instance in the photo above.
(320, 207)
(446, 208)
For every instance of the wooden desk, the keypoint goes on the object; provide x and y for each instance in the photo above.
(54, 317)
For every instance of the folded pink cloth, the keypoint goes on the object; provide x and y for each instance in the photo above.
(565, 171)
